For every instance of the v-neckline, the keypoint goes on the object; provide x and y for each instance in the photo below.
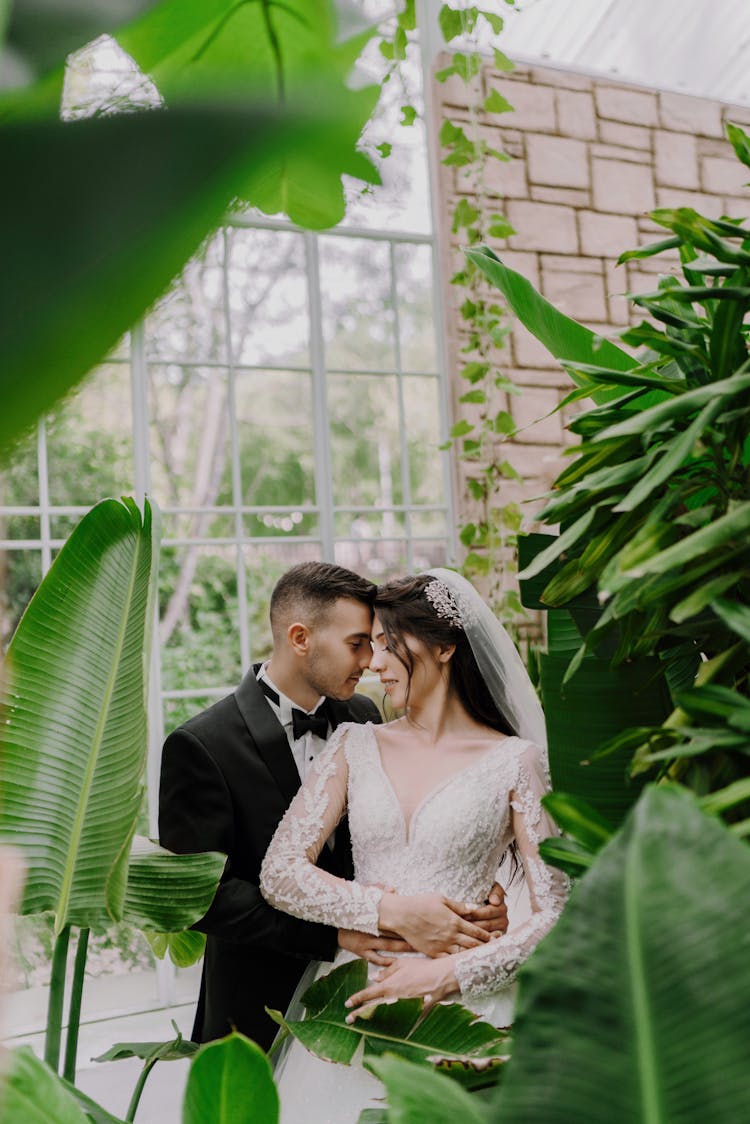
(409, 824)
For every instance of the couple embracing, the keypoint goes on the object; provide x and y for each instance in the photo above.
(347, 837)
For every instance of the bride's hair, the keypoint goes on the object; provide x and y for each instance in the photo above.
(404, 610)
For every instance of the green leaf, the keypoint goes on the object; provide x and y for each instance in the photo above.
(732, 526)
(705, 593)
(675, 454)
(34, 1094)
(468, 534)
(500, 227)
(446, 1033)
(175, 1049)
(409, 115)
(740, 141)
(473, 396)
(735, 615)
(558, 546)
(385, 149)
(461, 428)
(166, 892)
(564, 338)
(567, 855)
(415, 1095)
(579, 819)
(502, 62)
(737, 793)
(495, 21)
(464, 215)
(230, 1082)
(474, 371)
(135, 210)
(74, 740)
(496, 103)
(638, 1044)
(451, 22)
(649, 251)
(184, 948)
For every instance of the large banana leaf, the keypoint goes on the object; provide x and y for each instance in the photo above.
(447, 1036)
(230, 1082)
(414, 1095)
(32, 1093)
(166, 892)
(636, 1008)
(74, 738)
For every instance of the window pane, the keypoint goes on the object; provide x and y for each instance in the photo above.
(422, 410)
(428, 525)
(19, 479)
(198, 525)
(428, 554)
(368, 525)
(365, 447)
(376, 560)
(414, 283)
(22, 573)
(190, 439)
(189, 323)
(277, 458)
(89, 440)
(199, 621)
(268, 297)
(17, 527)
(358, 322)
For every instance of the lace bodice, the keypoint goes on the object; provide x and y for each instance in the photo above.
(452, 845)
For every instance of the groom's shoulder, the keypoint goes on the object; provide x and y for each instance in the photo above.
(213, 719)
(362, 709)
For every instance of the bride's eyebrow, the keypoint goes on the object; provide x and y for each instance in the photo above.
(379, 636)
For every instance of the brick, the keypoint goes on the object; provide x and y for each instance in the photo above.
(709, 205)
(454, 91)
(557, 161)
(543, 226)
(528, 352)
(737, 114)
(529, 409)
(690, 115)
(558, 378)
(627, 136)
(712, 146)
(625, 189)
(723, 177)
(565, 263)
(554, 76)
(606, 235)
(575, 114)
(580, 295)
(738, 207)
(676, 162)
(569, 196)
(618, 152)
(533, 108)
(508, 180)
(620, 103)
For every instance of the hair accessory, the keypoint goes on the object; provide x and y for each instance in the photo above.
(444, 602)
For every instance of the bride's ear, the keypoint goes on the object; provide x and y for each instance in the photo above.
(445, 652)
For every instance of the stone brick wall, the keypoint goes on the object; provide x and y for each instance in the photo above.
(590, 159)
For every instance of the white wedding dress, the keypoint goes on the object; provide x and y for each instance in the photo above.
(453, 845)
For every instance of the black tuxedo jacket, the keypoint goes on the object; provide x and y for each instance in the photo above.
(227, 777)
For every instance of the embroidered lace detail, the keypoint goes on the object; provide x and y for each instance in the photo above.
(289, 879)
(453, 845)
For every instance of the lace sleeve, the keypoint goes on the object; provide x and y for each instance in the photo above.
(289, 878)
(494, 965)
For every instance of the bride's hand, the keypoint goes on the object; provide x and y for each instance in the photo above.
(431, 979)
(432, 924)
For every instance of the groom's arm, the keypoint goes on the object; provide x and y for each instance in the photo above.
(196, 814)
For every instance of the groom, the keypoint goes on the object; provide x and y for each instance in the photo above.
(229, 774)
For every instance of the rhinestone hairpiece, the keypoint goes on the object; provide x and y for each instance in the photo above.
(444, 603)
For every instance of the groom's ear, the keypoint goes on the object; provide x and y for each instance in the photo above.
(445, 652)
(298, 635)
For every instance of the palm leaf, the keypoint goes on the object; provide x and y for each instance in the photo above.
(414, 1095)
(74, 741)
(448, 1035)
(230, 1082)
(636, 1008)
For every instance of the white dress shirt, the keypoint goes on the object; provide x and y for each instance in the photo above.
(309, 746)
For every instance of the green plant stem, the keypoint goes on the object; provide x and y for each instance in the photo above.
(74, 1015)
(138, 1090)
(53, 1032)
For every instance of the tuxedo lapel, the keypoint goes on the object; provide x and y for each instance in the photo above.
(267, 735)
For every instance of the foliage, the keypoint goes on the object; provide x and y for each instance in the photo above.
(632, 1008)
(230, 1082)
(447, 1036)
(655, 506)
(135, 210)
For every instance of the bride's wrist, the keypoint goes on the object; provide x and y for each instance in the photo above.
(388, 911)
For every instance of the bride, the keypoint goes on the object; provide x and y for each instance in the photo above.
(435, 799)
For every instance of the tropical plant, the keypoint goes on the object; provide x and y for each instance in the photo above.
(74, 751)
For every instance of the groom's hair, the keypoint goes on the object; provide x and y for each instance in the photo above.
(310, 589)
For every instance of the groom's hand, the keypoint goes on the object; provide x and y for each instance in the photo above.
(374, 949)
(493, 915)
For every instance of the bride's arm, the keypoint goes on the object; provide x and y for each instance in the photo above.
(492, 966)
(289, 878)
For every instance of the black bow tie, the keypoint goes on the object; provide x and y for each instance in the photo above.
(316, 723)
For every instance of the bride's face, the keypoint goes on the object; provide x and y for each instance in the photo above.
(397, 682)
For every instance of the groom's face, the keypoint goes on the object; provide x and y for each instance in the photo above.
(340, 649)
